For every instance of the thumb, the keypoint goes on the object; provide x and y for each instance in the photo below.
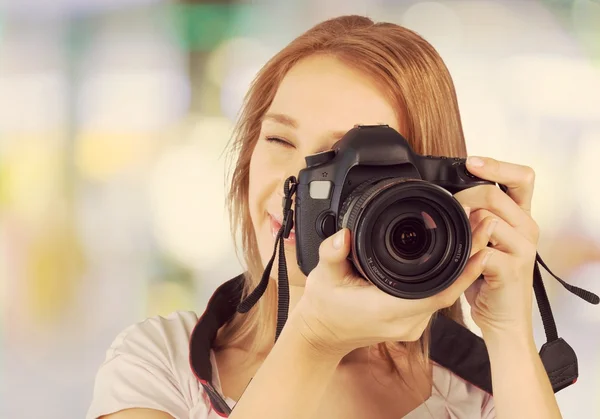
(333, 253)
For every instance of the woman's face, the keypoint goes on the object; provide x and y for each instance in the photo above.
(317, 102)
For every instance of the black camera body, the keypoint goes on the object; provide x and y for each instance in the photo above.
(410, 237)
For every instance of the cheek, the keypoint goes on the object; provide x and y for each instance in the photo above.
(260, 183)
(259, 192)
(254, 186)
(264, 181)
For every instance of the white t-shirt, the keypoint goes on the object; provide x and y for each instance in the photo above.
(147, 366)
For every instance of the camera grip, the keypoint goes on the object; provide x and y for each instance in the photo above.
(308, 237)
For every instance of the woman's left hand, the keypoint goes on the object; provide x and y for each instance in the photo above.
(501, 302)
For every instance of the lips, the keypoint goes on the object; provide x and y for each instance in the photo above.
(276, 225)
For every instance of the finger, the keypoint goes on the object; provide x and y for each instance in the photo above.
(482, 234)
(477, 217)
(508, 240)
(496, 264)
(517, 178)
(497, 202)
(467, 211)
(333, 253)
(496, 269)
(500, 235)
(473, 269)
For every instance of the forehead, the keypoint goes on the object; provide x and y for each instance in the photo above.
(321, 92)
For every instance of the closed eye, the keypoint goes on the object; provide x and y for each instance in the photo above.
(279, 141)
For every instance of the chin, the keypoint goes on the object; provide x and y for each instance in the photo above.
(295, 275)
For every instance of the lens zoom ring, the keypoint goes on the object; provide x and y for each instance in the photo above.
(365, 196)
(351, 198)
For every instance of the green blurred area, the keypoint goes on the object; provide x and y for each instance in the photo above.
(194, 27)
(581, 18)
(201, 27)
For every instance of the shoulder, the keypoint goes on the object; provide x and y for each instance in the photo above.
(147, 366)
(162, 339)
(460, 397)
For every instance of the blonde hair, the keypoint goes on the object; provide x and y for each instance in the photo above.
(415, 80)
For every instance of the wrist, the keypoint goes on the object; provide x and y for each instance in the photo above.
(315, 336)
(510, 340)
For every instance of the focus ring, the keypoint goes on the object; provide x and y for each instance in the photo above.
(367, 195)
(352, 197)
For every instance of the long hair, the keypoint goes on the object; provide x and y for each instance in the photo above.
(415, 80)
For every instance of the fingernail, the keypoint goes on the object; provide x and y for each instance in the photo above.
(487, 257)
(492, 226)
(475, 162)
(338, 240)
(467, 211)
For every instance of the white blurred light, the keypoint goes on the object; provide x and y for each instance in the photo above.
(133, 78)
(213, 133)
(553, 200)
(484, 120)
(586, 276)
(494, 27)
(6, 268)
(436, 22)
(233, 66)
(555, 86)
(140, 101)
(32, 102)
(488, 133)
(37, 8)
(585, 181)
(188, 197)
(234, 89)
(233, 55)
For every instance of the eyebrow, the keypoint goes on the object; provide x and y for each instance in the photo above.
(292, 123)
(282, 119)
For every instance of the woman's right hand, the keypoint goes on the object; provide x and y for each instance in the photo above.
(340, 312)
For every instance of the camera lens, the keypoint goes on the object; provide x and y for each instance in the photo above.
(407, 237)
(410, 238)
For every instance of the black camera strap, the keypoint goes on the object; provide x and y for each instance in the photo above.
(451, 342)
(283, 290)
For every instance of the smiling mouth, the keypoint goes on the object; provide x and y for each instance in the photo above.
(276, 225)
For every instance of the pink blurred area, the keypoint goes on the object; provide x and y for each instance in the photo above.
(113, 119)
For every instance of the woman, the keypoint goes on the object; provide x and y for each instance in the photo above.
(348, 350)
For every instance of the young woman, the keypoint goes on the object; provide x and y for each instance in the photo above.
(348, 350)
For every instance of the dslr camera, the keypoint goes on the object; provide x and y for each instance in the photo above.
(409, 236)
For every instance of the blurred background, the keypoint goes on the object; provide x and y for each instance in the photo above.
(114, 115)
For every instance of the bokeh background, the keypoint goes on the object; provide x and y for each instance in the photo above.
(114, 115)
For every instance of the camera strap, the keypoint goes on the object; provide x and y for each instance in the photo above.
(283, 286)
(453, 346)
